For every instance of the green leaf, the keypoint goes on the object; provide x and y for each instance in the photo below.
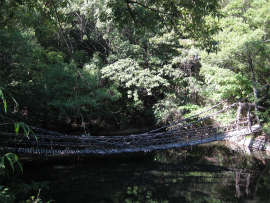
(17, 127)
(3, 162)
(4, 100)
(20, 166)
(10, 161)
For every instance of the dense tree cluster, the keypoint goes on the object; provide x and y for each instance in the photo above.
(115, 64)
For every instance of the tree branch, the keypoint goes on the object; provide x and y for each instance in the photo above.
(69, 49)
(61, 29)
(152, 9)
(130, 13)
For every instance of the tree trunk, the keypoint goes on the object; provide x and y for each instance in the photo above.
(249, 118)
(255, 92)
(240, 106)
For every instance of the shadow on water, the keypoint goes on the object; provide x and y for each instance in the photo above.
(204, 173)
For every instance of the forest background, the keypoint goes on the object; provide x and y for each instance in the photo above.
(101, 66)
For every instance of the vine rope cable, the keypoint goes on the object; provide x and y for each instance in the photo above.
(224, 109)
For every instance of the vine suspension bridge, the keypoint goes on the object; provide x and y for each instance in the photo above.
(176, 135)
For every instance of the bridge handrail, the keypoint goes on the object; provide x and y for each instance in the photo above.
(113, 138)
(224, 109)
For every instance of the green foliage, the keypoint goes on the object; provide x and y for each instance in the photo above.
(4, 100)
(128, 73)
(19, 192)
(243, 48)
(183, 17)
(34, 199)
(67, 92)
(7, 195)
(4, 196)
(266, 129)
(166, 110)
(241, 41)
(131, 57)
(55, 57)
(12, 158)
(223, 83)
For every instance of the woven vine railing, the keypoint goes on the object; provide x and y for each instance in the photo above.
(55, 144)
(179, 134)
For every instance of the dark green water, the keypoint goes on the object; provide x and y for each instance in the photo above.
(205, 173)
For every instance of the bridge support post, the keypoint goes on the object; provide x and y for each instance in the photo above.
(249, 118)
(240, 106)
(51, 145)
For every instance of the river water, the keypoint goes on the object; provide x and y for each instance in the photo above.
(212, 172)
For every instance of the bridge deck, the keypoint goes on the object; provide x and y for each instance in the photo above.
(104, 145)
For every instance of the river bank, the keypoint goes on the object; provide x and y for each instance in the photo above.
(250, 141)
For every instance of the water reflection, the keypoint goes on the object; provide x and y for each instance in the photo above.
(206, 173)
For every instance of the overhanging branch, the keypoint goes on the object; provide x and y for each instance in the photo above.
(152, 9)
